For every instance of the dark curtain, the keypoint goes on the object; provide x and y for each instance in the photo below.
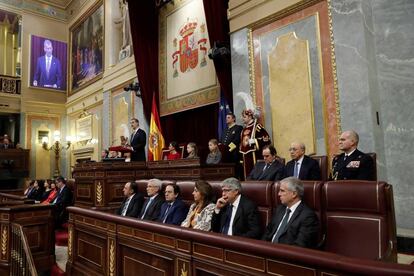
(144, 30)
(218, 30)
(197, 125)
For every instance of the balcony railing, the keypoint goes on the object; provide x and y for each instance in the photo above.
(21, 258)
(10, 85)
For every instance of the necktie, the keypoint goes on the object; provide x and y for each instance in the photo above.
(282, 226)
(124, 209)
(146, 208)
(47, 66)
(226, 224)
(166, 212)
(296, 170)
(345, 157)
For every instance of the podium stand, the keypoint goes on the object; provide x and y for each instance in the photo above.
(121, 149)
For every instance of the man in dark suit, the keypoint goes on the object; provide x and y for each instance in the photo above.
(62, 200)
(137, 141)
(293, 222)
(6, 144)
(271, 169)
(352, 163)
(231, 139)
(302, 166)
(48, 69)
(235, 214)
(173, 210)
(152, 206)
(132, 204)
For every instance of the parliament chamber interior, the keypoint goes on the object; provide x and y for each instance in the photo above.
(206, 137)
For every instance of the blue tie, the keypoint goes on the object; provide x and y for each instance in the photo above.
(296, 170)
(146, 208)
(282, 226)
(229, 212)
(166, 212)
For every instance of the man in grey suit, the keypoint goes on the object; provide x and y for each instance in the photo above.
(293, 222)
(271, 169)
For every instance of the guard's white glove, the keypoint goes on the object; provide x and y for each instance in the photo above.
(252, 142)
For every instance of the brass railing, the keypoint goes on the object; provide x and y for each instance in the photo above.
(21, 258)
(10, 85)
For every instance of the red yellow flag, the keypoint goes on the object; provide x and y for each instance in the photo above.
(156, 141)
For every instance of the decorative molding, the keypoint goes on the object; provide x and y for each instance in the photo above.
(112, 258)
(252, 79)
(70, 242)
(334, 72)
(99, 192)
(4, 241)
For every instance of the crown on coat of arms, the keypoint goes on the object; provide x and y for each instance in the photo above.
(188, 28)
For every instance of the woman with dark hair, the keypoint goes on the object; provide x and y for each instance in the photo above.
(38, 189)
(52, 194)
(174, 152)
(201, 211)
(47, 189)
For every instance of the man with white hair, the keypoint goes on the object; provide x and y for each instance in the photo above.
(301, 166)
(293, 222)
(152, 205)
(235, 214)
(351, 163)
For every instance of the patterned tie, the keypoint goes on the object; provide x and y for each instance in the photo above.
(146, 208)
(226, 226)
(166, 212)
(282, 226)
(296, 170)
(124, 209)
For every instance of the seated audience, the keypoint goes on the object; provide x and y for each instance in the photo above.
(37, 191)
(302, 166)
(62, 200)
(174, 153)
(132, 204)
(152, 205)
(293, 222)
(192, 150)
(47, 189)
(173, 210)
(270, 170)
(235, 214)
(201, 211)
(352, 163)
(214, 157)
(6, 144)
(29, 187)
(52, 194)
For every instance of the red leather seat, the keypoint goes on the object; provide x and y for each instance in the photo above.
(323, 165)
(187, 188)
(360, 219)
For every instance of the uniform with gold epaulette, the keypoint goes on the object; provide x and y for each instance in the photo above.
(357, 166)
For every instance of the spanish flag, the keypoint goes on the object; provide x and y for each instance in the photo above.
(156, 140)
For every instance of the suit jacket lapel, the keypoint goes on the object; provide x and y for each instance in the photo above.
(294, 216)
(238, 212)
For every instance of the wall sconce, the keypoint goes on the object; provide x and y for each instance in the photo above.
(56, 147)
(134, 87)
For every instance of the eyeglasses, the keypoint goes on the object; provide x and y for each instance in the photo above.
(225, 190)
(151, 186)
(293, 149)
(266, 155)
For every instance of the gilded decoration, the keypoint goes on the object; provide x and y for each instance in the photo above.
(112, 258)
(70, 242)
(99, 192)
(4, 242)
(311, 21)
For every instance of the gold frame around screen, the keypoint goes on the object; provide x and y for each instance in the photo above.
(79, 22)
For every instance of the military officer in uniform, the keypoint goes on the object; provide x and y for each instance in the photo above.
(231, 139)
(352, 163)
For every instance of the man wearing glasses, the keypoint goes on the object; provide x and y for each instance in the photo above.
(235, 214)
(301, 166)
(269, 170)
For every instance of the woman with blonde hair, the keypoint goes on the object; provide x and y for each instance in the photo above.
(192, 150)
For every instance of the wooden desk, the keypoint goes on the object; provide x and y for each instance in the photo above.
(105, 244)
(38, 225)
(14, 165)
(100, 184)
